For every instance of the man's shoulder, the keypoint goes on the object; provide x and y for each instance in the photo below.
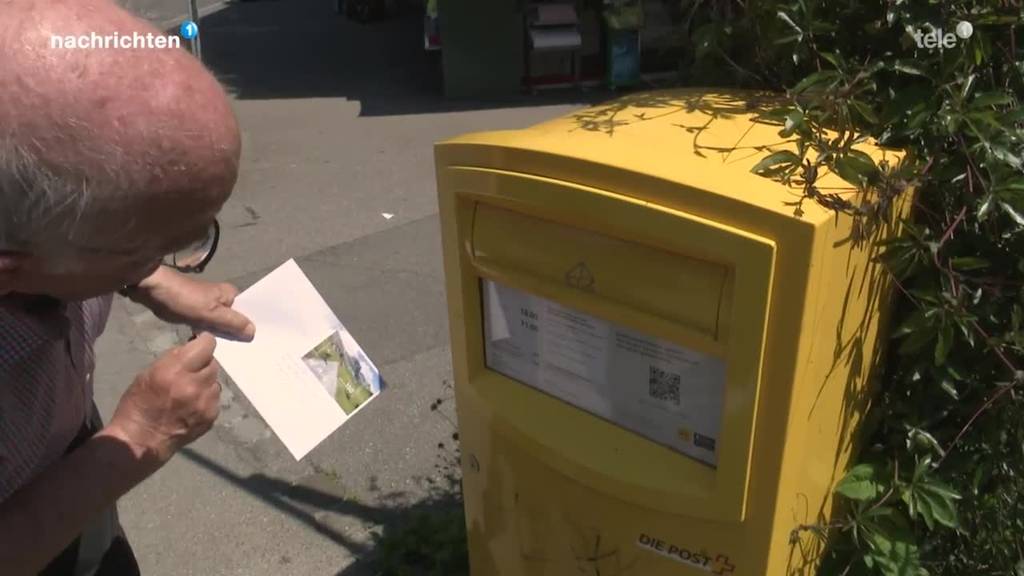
(27, 321)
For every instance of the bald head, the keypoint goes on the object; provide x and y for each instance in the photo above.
(143, 136)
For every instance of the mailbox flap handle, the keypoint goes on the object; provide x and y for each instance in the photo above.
(671, 286)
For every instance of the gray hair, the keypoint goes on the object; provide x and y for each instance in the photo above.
(39, 209)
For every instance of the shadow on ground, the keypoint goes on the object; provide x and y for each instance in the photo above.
(269, 49)
(423, 537)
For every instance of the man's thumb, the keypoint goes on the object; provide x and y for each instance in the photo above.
(231, 323)
(198, 353)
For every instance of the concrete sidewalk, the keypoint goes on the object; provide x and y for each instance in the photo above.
(339, 121)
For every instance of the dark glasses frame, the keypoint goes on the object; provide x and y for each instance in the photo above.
(198, 268)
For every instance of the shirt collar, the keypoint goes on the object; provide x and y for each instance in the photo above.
(47, 312)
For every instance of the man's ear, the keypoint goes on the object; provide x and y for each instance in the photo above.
(11, 264)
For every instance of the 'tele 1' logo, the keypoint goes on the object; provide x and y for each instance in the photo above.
(938, 38)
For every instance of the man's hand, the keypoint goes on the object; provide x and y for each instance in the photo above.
(176, 298)
(170, 404)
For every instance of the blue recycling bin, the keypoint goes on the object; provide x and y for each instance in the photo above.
(623, 58)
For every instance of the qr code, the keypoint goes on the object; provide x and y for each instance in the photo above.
(664, 385)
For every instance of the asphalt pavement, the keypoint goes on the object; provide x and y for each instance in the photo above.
(338, 123)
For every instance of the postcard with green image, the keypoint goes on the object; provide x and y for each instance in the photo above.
(303, 372)
(342, 368)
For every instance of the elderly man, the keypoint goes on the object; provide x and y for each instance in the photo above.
(110, 160)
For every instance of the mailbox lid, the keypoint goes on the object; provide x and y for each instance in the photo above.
(696, 138)
(586, 447)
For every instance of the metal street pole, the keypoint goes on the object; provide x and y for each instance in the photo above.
(193, 15)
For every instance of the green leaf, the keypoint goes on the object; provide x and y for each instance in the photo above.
(891, 548)
(917, 321)
(916, 341)
(1016, 115)
(862, 156)
(968, 85)
(791, 123)
(785, 18)
(776, 115)
(949, 388)
(991, 99)
(834, 59)
(986, 117)
(907, 495)
(944, 343)
(1012, 213)
(922, 468)
(938, 487)
(986, 207)
(775, 159)
(968, 263)
(980, 474)
(878, 512)
(1015, 185)
(1006, 155)
(864, 110)
(927, 296)
(856, 168)
(941, 502)
(789, 39)
(907, 67)
(881, 544)
(924, 510)
(820, 77)
(859, 484)
(822, 27)
(920, 116)
(923, 439)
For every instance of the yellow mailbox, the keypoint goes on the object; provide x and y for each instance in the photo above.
(658, 364)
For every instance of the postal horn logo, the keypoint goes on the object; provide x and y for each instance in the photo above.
(580, 277)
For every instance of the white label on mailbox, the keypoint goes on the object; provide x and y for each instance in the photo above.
(667, 393)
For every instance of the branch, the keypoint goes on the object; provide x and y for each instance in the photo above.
(970, 161)
(974, 417)
(1018, 377)
(949, 233)
(948, 269)
(738, 68)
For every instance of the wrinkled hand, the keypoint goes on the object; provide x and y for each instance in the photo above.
(176, 298)
(171, 403)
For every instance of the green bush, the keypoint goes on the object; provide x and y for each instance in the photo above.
(939, 486)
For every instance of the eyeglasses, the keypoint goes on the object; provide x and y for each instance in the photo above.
(194, 258)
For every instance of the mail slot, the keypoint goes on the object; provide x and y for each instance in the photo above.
(659, 365)
(643, 277)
